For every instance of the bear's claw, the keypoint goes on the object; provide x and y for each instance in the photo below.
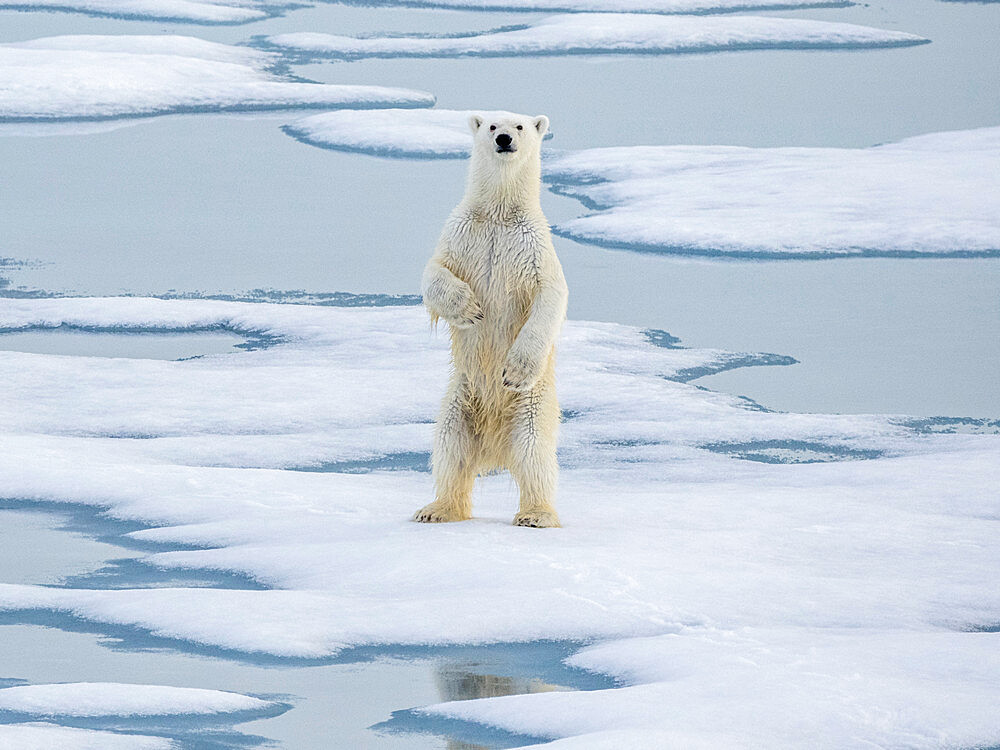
(538, 519)
(431, 514)
(519, 375)
(471, 312)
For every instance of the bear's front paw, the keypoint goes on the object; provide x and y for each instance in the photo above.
(539, 519)
(467, 311)
(520, 373)
(435, 513)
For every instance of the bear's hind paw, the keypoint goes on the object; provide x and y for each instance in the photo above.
(539, 519)
(436, 514)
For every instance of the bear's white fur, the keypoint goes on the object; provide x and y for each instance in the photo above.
(496, 280)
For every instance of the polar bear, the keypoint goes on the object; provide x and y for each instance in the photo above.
(495, 278)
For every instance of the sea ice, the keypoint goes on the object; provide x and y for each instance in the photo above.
(930, 195)
(43, 736)
(597, 33)
(620, 6)
(100, 77)
(245, 11)
(758, 688)
(93, 699)
(625, 6)
(189, 11)
(824, 605)
(416, 133)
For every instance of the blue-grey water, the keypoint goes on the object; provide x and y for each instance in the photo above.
(226, 204)
(78, 343)
(230, 203)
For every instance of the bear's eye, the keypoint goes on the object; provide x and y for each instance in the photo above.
(520, 127)
(493, 127)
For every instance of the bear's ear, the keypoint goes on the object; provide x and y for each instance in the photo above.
(542, 124)
(475, 122)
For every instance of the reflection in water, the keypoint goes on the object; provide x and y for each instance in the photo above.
(456, 683)
(492, 670)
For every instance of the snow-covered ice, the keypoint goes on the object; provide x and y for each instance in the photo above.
(930, 195)
(831, 604)
(618, 6)
(821, 688)
(934, 194)
(415, 133)
(44, 736)
(605, 33)
(246, 11)
(190, 11)
(99, 77)
(92, 699)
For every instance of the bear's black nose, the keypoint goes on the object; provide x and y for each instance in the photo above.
(503, 141)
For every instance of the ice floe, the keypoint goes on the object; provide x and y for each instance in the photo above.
(604, 33)
(246, 11)
(413, 133)
(770, 688)
(827, 604)
(929, 195)
(93, 699)
(618, 6)
(189, 11)
(101, 77)
(44, 736)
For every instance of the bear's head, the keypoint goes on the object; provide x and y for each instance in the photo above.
(507, 138)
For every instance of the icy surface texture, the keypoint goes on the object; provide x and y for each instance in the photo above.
(42, 736)
(245, 11)
(101, 77)
(930, 195)
(778, 688)
(406, 133)
(114, 699)
(599, 33)
(618, 6)
(191, 11)
(855, 596)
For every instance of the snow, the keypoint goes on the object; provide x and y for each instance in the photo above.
(928, 195)
(621, 6)
(42, 736)
(742, 604)
(191, 11)
(98, 77)
(413, 133)
(92, 699)
(824, 689)
(597, 33)
(246, 11)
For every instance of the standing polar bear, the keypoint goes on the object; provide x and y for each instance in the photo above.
(495, 278)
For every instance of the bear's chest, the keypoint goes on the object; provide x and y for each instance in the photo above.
(496, 256)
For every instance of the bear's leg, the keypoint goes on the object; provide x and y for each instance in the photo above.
(533, 455)
(455, 460)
